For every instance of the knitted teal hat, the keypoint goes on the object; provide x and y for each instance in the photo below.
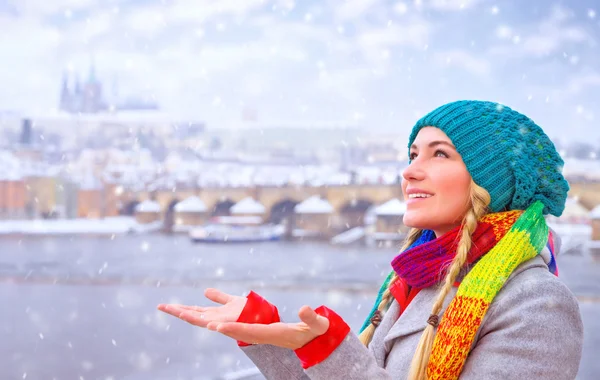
(505, 152)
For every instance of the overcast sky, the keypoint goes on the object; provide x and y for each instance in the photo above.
(379, 63)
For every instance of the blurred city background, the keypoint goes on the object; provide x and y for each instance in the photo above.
(151, 149)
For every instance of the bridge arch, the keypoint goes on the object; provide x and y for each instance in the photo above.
(169, 220)
(352, 213)
(222, 207)
(282, 210)
(129, 208)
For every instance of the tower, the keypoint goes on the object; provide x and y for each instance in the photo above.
(65, 95)
(26, 131)
(92, 93)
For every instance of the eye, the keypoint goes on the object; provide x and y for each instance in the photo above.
(441, 153)
(412, 156)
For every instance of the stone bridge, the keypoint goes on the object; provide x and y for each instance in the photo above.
(277, 200)
(346, 199)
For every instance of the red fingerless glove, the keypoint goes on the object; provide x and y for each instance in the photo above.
(319, 349)
(257, 310)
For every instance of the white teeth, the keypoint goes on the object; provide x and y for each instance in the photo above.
(419, 195)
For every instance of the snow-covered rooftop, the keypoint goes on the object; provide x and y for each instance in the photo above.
(574, 209)
(314, 205)
(248, 206)
(10, 175)
(111, 225)
(584, 168)
(129, 116)
(148, 206)
(391, 208)
(191, 204)
(89, 182)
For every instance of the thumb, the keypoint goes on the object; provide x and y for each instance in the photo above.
(317, 323)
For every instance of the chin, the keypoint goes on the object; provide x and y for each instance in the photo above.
(414, 221)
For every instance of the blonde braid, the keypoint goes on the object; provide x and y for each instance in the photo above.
(480, 200)
(367, 335)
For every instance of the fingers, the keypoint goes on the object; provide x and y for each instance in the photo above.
(317, 323)
(217, 296)
(250, 333)
(170, 309)
(186, 307)
(196, 318)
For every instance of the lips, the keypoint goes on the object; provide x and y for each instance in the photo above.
(417, 195)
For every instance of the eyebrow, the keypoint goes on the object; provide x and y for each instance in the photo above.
(435, 143)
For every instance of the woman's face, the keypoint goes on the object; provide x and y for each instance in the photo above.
(436, 184)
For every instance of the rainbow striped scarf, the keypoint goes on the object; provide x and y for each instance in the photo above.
(462, 318)
(501, 242)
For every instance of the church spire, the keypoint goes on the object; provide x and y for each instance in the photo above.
(77, 85)
(92, 72)
(65, 95)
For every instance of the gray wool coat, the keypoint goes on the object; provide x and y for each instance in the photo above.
(532, 330)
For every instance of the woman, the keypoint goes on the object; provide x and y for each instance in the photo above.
(473, 293)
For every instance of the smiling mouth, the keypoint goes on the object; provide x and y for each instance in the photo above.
(419, 195)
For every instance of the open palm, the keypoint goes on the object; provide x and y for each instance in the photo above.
(229, 311)
(223, 319)
(286, 335)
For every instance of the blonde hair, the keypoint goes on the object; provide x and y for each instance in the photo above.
(479, 200)
(367, 335)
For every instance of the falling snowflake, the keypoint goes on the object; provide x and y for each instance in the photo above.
(87, 365)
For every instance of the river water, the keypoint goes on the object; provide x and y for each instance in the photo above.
(84, 308)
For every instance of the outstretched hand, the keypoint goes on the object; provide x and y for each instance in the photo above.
(230, 310)
(286, 335)
(223, 319)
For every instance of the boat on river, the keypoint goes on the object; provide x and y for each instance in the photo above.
(236, 229)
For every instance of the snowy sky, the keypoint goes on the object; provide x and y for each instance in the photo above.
(379, 63)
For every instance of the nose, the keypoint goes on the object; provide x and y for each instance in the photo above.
(414, 171)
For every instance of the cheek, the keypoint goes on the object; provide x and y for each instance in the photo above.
(454, 185)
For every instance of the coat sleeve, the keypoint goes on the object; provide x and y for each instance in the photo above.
(338, 354)
(273, 362)
(351, 360)
(534, 332)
